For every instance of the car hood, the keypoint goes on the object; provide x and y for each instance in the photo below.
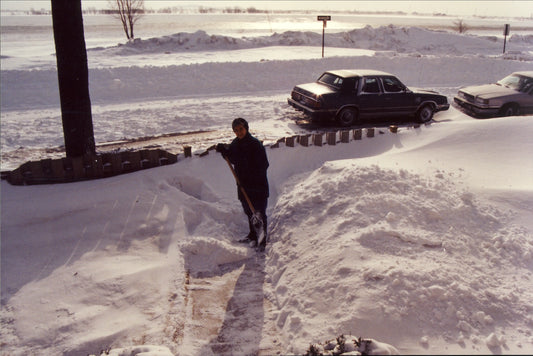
(488, 90)
(422, 91)
(316, 88)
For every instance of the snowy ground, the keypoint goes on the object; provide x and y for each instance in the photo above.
(197, 81)
(421, 240)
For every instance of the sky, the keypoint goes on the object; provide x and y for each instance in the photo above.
(511, 8)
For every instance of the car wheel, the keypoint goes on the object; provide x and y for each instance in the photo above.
(348, 117)
(510, 110)
(424, 114)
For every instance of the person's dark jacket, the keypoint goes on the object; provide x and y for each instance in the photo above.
(249, 159)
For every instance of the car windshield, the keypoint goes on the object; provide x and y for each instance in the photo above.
(330, 79)
(517, 82)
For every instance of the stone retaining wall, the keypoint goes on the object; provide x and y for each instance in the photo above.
(103, 165)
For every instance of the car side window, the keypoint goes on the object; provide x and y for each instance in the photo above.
(528, 86)
(392, 85)
(349, 85)
(370, 85)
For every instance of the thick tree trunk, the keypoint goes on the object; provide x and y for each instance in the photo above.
(73, 77)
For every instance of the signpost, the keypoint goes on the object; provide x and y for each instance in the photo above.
(324, 20)
(505, 34)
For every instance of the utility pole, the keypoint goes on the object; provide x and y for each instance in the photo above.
(73, 77)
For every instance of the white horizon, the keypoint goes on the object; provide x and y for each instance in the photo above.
(513, 8)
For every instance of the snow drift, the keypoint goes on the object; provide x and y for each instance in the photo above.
(420, 240)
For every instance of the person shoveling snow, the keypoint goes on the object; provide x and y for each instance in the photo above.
(248, 157)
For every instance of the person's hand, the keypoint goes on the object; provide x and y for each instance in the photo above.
(221, 148)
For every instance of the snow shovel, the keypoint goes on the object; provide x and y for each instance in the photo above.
(256, 219)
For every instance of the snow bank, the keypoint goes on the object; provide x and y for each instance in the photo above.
(387, 244)
(400, 50)
(390, 38)
(405, 252)
(421, 239)
(205, 255)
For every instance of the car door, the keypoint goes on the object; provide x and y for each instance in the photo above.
(348, 92)
(370, 97)
(526, 96)
(397, 100)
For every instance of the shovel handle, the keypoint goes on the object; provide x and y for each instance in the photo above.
(240, 187)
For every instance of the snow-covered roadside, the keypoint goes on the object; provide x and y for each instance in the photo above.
(164, 79)
(205, 96)
(172, 77)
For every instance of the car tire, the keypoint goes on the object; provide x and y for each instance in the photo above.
(424, 114)
(510, 110)
(348, 117)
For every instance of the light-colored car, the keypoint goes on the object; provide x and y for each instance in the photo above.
(513, 95)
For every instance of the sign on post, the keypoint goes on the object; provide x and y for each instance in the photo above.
(324, 19)
(506, 29)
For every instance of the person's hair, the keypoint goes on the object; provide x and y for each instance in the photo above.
(239, 121)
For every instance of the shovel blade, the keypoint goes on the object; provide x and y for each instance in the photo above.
(257, 222)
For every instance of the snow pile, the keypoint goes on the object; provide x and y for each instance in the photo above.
(526, 39)
(391, 38)
(420, 241)
(391, 238)
(205, 255)
(385, 244)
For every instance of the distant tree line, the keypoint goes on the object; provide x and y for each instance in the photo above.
(165, 10)
(208, 10)
(239, 10)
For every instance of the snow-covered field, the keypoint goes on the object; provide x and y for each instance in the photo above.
(421, 240)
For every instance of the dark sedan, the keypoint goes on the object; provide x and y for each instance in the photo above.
(351, 96)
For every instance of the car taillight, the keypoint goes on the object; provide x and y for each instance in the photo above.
(317, 102)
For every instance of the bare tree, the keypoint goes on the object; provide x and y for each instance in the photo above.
(73, 77)
(460, 26)
(128, 11)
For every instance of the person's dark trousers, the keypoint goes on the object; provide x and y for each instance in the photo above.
(259, 205)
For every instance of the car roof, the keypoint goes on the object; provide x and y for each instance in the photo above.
(525, 73)
(346, 73)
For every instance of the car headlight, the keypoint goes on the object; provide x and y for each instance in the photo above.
(482, 101)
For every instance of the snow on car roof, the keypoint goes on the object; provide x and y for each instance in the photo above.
(525, 73)
(356, 72)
